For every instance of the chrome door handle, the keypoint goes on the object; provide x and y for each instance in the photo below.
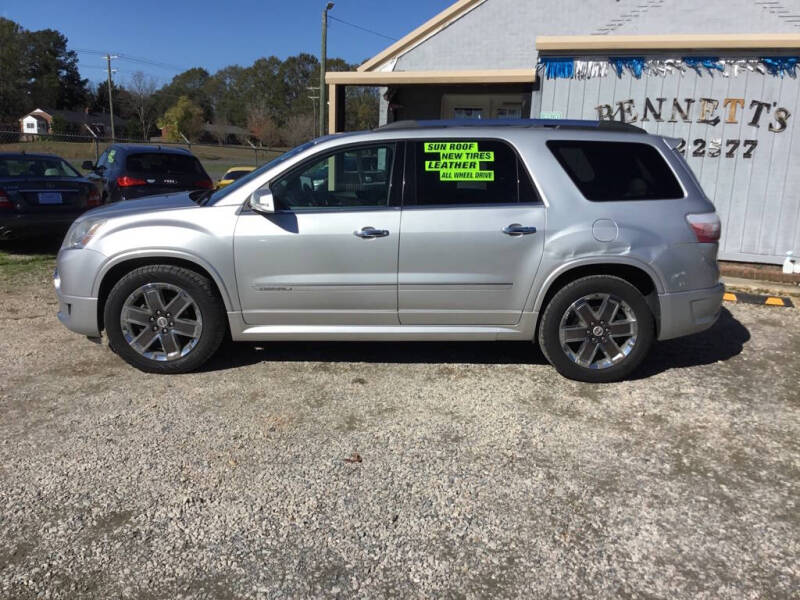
(371, 232)
(517, 229)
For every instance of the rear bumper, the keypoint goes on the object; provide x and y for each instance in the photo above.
(23, 225)
(684, 313)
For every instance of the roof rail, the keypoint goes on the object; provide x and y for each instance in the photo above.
(551, 123)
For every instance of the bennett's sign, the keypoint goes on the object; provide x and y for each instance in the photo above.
(710, 111)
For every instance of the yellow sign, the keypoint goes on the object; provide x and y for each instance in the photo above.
(459, 161)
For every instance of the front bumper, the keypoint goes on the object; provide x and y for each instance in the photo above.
(78, 314)
(73, 280)
(685, 313)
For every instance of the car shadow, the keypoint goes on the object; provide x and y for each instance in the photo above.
(724, 340)
(239, 354)
(43, 244)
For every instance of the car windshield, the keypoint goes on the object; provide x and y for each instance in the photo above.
(159, 163)
(221, 193)
(35, 166)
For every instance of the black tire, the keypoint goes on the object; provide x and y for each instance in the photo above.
(205, 300)
(561, 307)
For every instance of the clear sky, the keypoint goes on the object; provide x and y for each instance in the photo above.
(180, 34)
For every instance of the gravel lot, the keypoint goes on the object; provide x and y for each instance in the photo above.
(402, 470)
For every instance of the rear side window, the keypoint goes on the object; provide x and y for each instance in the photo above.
(35, 167)
(609, 171)
(157, 164)
(234, 175)
(467, 172)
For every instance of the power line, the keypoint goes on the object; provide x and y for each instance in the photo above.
(135, 59)
(332, 18)
(85, 51)
(154, 63)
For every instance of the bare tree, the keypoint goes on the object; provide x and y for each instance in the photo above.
(219, 129)
(299, 128)
(141, 91)
(262, 126)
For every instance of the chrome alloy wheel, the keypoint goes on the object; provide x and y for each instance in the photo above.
(598, 331)
(161, 321)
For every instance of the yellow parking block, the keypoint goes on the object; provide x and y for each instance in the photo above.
(743, 297)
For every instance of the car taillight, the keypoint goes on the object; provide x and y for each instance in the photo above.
(128, 181)
(204, 183)
(707, 227)
(94, 197)
(5, 202)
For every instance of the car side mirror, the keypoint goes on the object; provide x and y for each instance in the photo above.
(87, 165)
(262, 201)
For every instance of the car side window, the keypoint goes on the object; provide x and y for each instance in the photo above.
(615, 171)
(356, 177)
(103, 160)
(455, 172)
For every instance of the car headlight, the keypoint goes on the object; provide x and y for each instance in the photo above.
(81, 232)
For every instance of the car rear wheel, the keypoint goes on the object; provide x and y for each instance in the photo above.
(164, 319)
(596, 329)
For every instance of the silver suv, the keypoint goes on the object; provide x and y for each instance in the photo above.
(593, 238)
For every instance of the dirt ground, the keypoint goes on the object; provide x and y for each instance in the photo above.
(396, 470)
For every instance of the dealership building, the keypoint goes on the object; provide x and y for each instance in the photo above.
(721, 76)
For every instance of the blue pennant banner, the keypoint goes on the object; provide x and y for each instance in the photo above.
(634, 64)
(559, 68)
(709, 62)
(780, 65)
(588, 68)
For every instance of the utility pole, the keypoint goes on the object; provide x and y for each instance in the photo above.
(313, 99)
(323, 59)
(110, 100)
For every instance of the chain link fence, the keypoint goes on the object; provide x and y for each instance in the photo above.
(216, 158)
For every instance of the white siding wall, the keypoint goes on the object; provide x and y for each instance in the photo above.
(30, 125)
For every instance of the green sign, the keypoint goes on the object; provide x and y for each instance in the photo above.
(459, 161)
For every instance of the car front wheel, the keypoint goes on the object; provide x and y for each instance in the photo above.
(164, 319)
(596, 329)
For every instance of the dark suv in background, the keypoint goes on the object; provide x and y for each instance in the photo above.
(126, 171)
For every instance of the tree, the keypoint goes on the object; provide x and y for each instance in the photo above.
(361, 108)
(185, 117)
(192, 84)
(298, 74)
(263, 127)
(263, 87)
(226, 91)
(98, 99)
(299, 128)
(36, 68)
(142, 104)
(13, 80)
(53, 70)
(219, 129)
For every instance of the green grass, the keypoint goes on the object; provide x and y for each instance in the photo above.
(215, 159)
(24, 264)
